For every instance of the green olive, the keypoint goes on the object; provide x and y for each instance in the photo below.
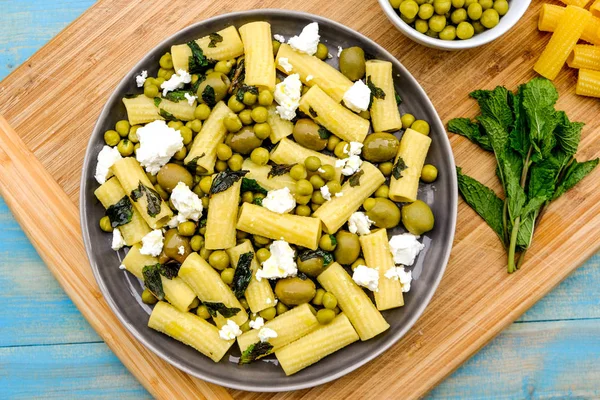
(306, 133)
(379, 147)
(347, 249)
(417, 218)
(244, 141)
(312, 266)
(295, 291)
(352, 63)
(171, 174)
(384, 213)
(220, 84)
(322, 51)
(172, 244)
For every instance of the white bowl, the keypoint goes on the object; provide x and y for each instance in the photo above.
(515, 12)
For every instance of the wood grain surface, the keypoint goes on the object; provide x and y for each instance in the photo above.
(475, 300)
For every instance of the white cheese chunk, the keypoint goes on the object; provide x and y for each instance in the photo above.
(266, 333)
(353, 148)
(405, 248)
(117, 240)
(325, 192)
(141, 78)
(158, 143)
(359, 223)
(287, 95)
(190, 98)
(186, 202)
(280, 201)
(258, 323)
(122, 267)
(358, 97)
(281, 264)
(106, 158)
(339, 53)
(279, 38)
(230, 330)
(399, 274)
(177, 81)
(152, 243)
(308, 40)
(352, 163)
(366, 277)
(285, 64)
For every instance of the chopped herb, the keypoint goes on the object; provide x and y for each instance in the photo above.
(120, 213)
(355, 178)
(166, 115)
(250, 185)
(214, 39)
(257, 201)
(255, 351)
(214, 308)
(176, 95)
(208, 95)
(324, 133)
(193, 165)
(333, 240)
(196, 85)
(279, 169)
(398, 168)
(202, 222)
(398, 98)
(237, 77)
(224, 180)
(197, 62)
(376, 92)
(308, 254)
(152, 198)
(157, 101)
(243, 274)
(170, 269)
(152, 281)
(312, 112)
(242, 90)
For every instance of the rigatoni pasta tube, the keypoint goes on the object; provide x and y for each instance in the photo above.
(280, 127)
(290, 152)
(318, 344)
(336, 118)
(141, 110)
(353, 301)
(190, 330)
(412, 152)
(332, 81)
(385, 115)
(131, 176)
(290, 326)
(376, 249)
(206, 282)
(222, 215)
(258, 50)
(577, 3)
(335, 212)
(588, 83)
(204, 148)
(550, 14)
(177, 292)
(110, 193)
(301, 231)
(260, 173)
(181, 110)
(595, 8)
(585, 56)
(259, 294)
(565, 37)
(229, 47)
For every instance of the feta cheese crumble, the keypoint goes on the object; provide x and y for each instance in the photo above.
(117, 240)
(266, 333)
(141, 78)
(358, 97)
(158, 143)
(285, 64)
(122, 267)
(359, 223)
(308, 40)
(106, 158)
(287, 95)
(181, 250)
(353, 148)
(352, 163)
(152, 243)
(309, 78)
(280, 201)
(176, 82)
(366, 277)
(186, 202)
(279, 38)
(399, 274)
(258, 322)
(281, 264)
(339, 53)
(325, 192)
(190, 98)
(173, 222)
(230, 330)
(405, 248)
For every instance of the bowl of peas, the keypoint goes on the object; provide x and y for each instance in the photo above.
(454, 24)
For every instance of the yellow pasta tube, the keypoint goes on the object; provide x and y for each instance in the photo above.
(260, 173)
(280, 127)
(258, 50)
(290, 152)
(110, 193)
(550, 14)
(577, 3)
(222, 215)
(206, 282)
(321, 74)
(301, 231)
(203, 152)
(353, 301)
(335, 212)
(595, 8)
(412, 153)
(177, 292)
(131, 176)
(385, 115)
(290, 326)
(585, 56)
(564, 39)
(588, 83)
(259, 294)
(181, 110)
(336, 118)
(229, 47)
(141, 110)
(376, 249)
(318, 344)
(190, 330)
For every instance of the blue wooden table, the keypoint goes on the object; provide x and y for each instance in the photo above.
(48, 350)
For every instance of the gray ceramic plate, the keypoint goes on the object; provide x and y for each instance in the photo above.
(122, 291)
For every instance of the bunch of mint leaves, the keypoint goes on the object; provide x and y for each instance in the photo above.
(534, 146)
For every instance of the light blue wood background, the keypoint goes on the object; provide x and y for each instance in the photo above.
(48, 350)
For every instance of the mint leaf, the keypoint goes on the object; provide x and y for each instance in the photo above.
(120, 213)
(170, 269)
(255, 351)
(250, 185)
(568, 134)
(243, 274)
(494, 105)
(539, 98)
(220, 308)
(166, 115)
(574, 174)
(152, 280)
(176, 95)
(279, 169)
(208, 95)
(157, 101)
(197, 62)
(398, 168)
(519, 135)
(224, 180)
(376, 92)
(214, 39)
(243, 89)
(152, 198)
(354, 180)
(472, 131)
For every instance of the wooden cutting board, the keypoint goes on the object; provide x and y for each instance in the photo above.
(53, 100)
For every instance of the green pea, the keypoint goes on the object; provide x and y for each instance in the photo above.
(247, 197)
(221, 166)
(325, 316)
(437, 23)
(317, 198)
(322, 51)
(122, 128)
(429, 173)
(180, 155)
(148, 297)
(223, 67)
(219, 260)
(303, 210)
(477, 27)
(304, 187)
(246, 117)
(318, 299)
(369, 203)
(359, 261)
(409, 9)
(339, 150)
(196, 242)
(448, 33)
(261, 241)
(235, 105)
(426, 11)
(227, 275)
(421, 127)
(133, 137)
(332, 142)
(312, 163)
(442, 6)
(260, 156)
(166, 61)
(303, 199)
(105, 224)
(262, 130)
(202, 112)
(409, 21)
(202, 312)
(205, 184)
(151, 91)
(501, 7)
(475, 11)
(327, 242)
(395, 3)
(249, 98)
(268, 313)
(244, 303)
(334, 187)
(235, 162)
(465, 30)
(196, 125)
(407, 120)
(125, 147)
(298, 172)
(276, 44)
(458, 3)
(382, 191)
(316, 181)
(112, 138)
(469, 2)
(486, 4)
(281, 308)
(232, 123)
(490, 18)
(263, 255)
(187, 228)
(329, 301)
(458, 16)
(265, 98)
(186, 134)
(421, 25)
(327, 172)
(386, 168)
(205, 253)
(224, 152)
(259, 114)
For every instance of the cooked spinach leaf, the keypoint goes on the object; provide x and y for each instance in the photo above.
(170, 269)
(152, 198)
(257, 201)
(250, 185)
(226, 312)
(166, 115)
(255, 351)
(120, 213)
(324, 133)
(398, 98)
(152, 280)
(243, 274)
(208, 95)
(312, 112)
(224, 180)
(197, 62)
(214, 39)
